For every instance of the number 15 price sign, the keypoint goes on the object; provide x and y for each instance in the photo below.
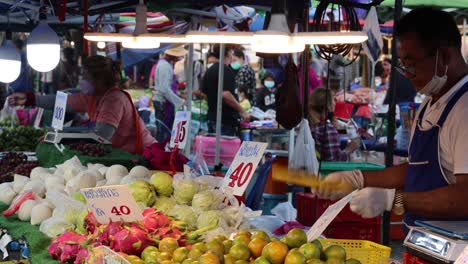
(243, 167)
(180, 129)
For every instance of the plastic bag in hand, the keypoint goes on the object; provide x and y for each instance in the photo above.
(304, 156)
(8, 116)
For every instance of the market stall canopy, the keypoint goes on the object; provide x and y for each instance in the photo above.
(435, 3)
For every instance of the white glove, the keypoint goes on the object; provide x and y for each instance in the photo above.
(339, 184)
(371, 202)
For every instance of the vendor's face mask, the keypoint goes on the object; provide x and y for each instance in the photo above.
(235, 65)
(209, 65)
(86, 87)
(435, 85)
(269, 84)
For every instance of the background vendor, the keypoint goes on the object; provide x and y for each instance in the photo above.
(110, 110)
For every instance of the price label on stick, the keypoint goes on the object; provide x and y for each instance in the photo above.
(180, 129)
(243, 167)
(112, 203)
(327, 217)
(59, 110)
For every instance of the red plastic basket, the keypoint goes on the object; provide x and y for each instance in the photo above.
(360, 231)
(310, 208)
(410, 259)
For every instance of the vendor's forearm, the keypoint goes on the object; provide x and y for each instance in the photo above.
(445, 202)
(105, 130)
(391, 177)
(45, 101)
(229, 99)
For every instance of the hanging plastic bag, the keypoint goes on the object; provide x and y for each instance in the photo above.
(287, 213)
(199, 164)
(304, 156)
(8, 116)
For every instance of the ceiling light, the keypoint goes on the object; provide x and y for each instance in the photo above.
(330, 38)
(164, 38)
(107, 37)
(277, 38)
(10, 62)
(222, 37)
(43, 48)
(140, 43)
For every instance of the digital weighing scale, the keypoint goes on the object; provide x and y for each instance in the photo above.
(74, 134)
(437, 241)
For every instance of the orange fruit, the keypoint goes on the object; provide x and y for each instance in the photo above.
(168, 244)
(310, 251)
(200, 246)
(256, 246)
(261, 260)
(295, 257)
(275, 252)
(242, 239)
(227, 245)
(164, 256)
(215, 247)
(335, 252)
(242, 262)
(180, 254)
(295, 238)
(209, 258)
(315, 261)
(187, 261)
(228, 259)
(261, 234)
(244, 232)
(195, 253)
(239, 252)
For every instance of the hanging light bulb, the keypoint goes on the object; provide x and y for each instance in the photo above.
(101, 45)
(10, 61)
(138, 41)
(43, 47)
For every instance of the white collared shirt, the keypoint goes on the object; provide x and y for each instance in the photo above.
(453, 137)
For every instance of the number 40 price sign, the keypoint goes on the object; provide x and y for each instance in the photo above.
(180, 129)
(243, 167)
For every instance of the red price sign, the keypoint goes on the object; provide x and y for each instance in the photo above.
(180, 129)
(243, 166)
(120, 210)
(241, 174)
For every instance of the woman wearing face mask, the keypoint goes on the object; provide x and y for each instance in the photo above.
(245, 75)
(110, 110)
(266, 95)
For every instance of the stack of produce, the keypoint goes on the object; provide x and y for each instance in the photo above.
(15, 163)
(20, 138)
(127, 238)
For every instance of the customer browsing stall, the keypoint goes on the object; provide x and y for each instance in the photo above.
(434, 184)
(111, 110)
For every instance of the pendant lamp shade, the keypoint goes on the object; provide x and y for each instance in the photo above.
(10, 62)
(43, 48)
(277, 38)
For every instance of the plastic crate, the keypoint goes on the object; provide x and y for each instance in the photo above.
(366, 252)
(269, 201)
(410, 259)
(361, 231)
(228, 149)
(310, 208)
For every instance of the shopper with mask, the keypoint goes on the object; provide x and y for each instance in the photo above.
(245, 75)
(111, 110)
(266, 95)
(434, 184)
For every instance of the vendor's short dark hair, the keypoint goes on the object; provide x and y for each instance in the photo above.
(435, 28)
(239, 53)
(216, 50)
(101, 69)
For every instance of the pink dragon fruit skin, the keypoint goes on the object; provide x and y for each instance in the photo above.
(54, 250)
(154, 220)
(69, 252)
(131, 240)
(81, 256)
(110, 229)
(90, 222)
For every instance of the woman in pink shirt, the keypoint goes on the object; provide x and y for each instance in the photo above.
(111, 111)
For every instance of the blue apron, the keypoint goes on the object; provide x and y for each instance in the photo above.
(425, 171)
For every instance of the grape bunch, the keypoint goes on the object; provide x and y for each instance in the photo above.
(8, 164)
(89, 149)
(26, 168)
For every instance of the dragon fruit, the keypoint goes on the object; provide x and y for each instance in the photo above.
(81, 256)
(90, 222)
(67, 246)
(154, 220)
(108, 231)
(131, 240)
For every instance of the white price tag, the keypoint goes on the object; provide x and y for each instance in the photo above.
(463, 258)
(180, 129)
(112, 203)
(59, 110)
(243, 166)
(327, 217)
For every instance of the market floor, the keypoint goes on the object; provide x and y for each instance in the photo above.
(397, 250)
